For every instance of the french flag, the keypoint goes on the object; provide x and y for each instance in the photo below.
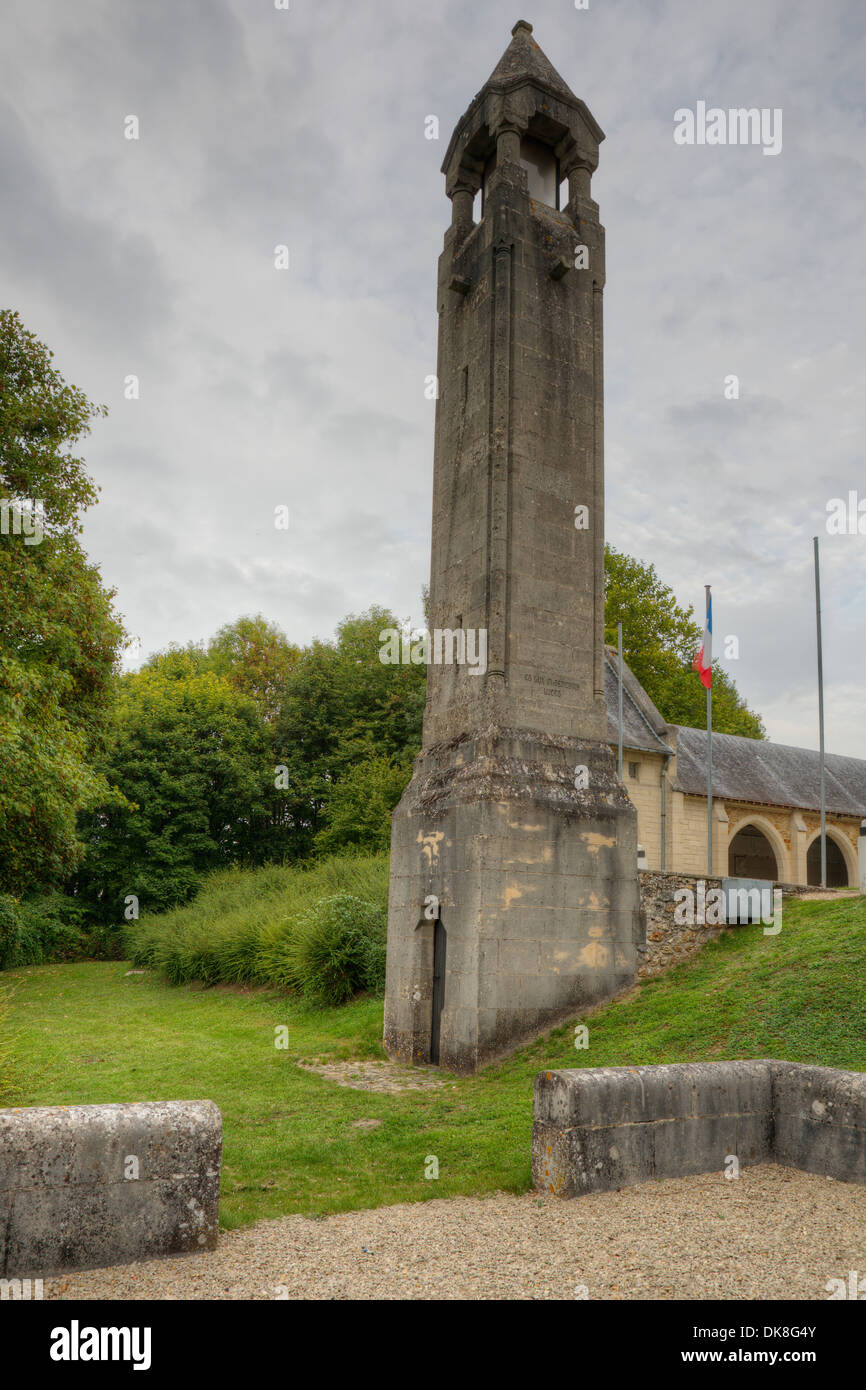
(703, 662)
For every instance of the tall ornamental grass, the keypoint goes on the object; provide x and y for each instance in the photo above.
(317, 929)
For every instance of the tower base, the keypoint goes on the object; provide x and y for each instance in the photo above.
(483, 958)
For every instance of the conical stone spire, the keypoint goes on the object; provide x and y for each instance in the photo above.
(526, 95)
(524, 61)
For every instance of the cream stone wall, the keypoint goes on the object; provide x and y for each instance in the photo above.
(689, 832)
(790, 832)
(645, 794)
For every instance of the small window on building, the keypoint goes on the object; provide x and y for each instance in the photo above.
(633, 770)
(478, 206)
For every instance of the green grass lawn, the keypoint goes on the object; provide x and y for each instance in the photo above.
(89, 1032)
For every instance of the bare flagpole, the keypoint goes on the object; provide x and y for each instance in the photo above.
(709, 743)
(619, 716)
(821, 718)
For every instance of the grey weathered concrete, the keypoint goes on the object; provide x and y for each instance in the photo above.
(820, 1120)
(607, 1127)
(67, 1197)
(535, 878)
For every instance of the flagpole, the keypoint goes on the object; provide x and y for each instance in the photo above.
(619, 750)
(821, 718)
(709, 755)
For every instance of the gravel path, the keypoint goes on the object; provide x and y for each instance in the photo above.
(772, 1233)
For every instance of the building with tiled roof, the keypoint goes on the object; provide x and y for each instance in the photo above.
(766, 797)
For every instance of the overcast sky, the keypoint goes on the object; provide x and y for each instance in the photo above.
(305, 387)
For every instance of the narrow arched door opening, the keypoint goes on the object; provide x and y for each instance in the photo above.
(439, 965)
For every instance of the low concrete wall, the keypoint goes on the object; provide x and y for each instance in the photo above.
(820, 1120)
(83, 1186)
(607, 1127)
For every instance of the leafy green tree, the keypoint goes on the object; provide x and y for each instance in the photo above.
(357, 813)
(659, 640)
(42, 419)
(179, 663)
(256, 657)
(193, 755)
(343, 706)
(59, 634)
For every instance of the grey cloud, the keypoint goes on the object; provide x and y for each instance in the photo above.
(312, 121)
(102, 281)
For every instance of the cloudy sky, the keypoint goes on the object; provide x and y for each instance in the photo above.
(259, 387)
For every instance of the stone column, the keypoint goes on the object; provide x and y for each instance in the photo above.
(500, 438)
(798, 833)
(579, 175)
(721, 822)
(461, 206)
(508, 145)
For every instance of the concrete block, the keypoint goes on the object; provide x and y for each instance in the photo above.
(602, 1127)
(820, 1116)
(90, 1185)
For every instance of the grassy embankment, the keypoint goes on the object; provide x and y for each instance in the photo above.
(88, 1032)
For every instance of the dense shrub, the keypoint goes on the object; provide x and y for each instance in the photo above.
(10, 930)
(101, 942)
(243, 926)
(40, 929)
(337, 949)
(358, 811)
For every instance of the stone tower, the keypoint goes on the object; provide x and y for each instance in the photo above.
(514, 890)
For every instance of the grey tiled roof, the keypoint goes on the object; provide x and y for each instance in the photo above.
(642, 725)
(748, 769)
(744, 769)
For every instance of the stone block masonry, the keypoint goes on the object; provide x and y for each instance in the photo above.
(84, 1186)
(669, 942)
(601, 1128)
(514, 896)
(534, 885)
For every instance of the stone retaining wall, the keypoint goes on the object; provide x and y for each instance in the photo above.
(83, 1186)
(599, 1128)
(668, 943)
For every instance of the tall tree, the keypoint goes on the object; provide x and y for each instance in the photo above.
(59, 635)
(344, 706)
(256, 657)
(194, 757)
(659, 640)
(357, 814)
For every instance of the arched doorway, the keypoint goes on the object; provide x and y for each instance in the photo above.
(751, 855)
(439, 955)
(837, 869)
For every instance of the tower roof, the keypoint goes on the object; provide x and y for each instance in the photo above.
(524, 86)
(523, 60)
